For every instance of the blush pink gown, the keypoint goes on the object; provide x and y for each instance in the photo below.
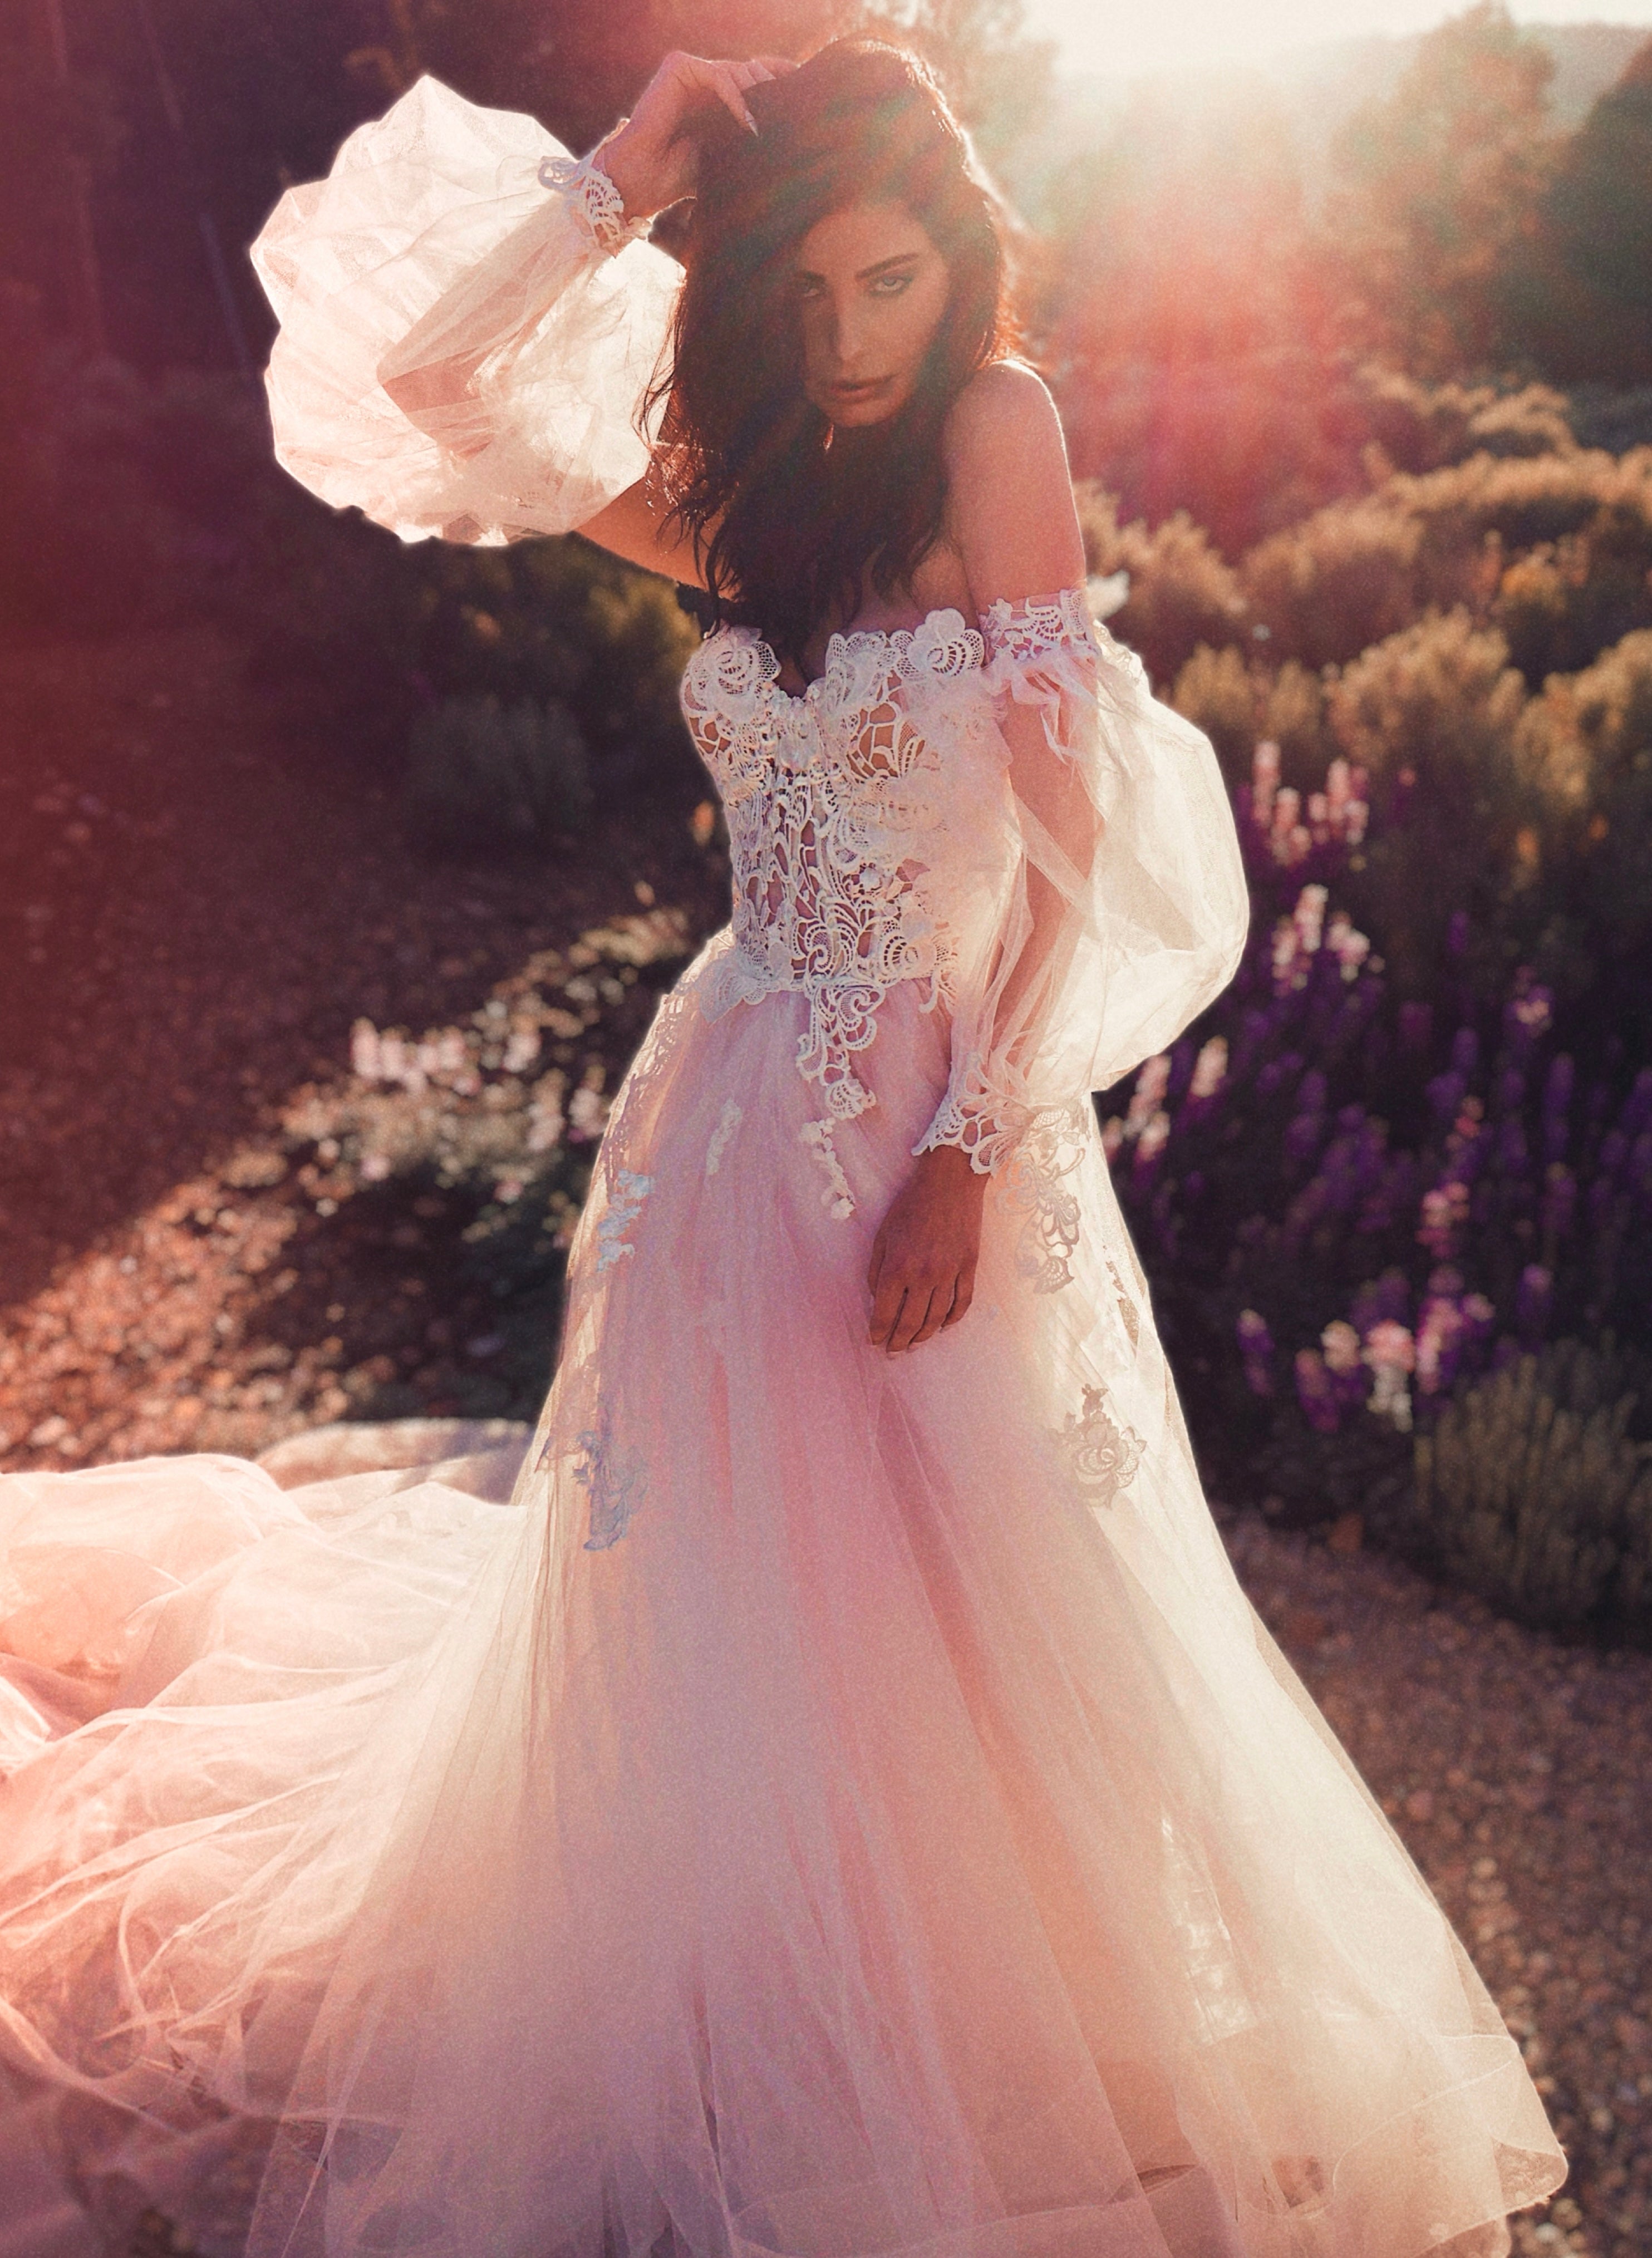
(841, 1807)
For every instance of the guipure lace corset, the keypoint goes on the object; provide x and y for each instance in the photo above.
(848, 810)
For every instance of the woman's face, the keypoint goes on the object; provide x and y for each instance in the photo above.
(871, 289)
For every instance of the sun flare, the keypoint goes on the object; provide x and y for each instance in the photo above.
(1120, 42)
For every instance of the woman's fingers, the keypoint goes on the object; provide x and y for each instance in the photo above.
(888, 1298)
(938, 1317)
(914, 1323)
(722, 80)
(729, 81)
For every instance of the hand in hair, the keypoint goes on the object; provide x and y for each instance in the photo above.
(653, 160)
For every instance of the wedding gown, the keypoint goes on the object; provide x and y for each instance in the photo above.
(841, 1804)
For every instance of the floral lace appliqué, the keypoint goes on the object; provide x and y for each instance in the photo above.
(1042, 1154)
(817, 1135)
(625, 1204)
(728, 1121)
(1101, 1454)
(615, 1480)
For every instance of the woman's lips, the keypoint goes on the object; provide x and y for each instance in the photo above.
(848, 394)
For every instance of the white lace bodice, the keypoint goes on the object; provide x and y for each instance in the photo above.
(848, 809)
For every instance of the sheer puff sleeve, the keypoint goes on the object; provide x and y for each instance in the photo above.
(1126, 908)
(468, 325)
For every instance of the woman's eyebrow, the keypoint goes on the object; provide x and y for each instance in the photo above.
(863, 273)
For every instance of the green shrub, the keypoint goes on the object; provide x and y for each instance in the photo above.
(1329, 589)
(1236, 703)
(482, 775)
(1182, 592)
(1590, 734)
(1531, 1490)
(559, 619)
(1564, 602)
(1523, 502)
(1434, 716)
(1222, 696)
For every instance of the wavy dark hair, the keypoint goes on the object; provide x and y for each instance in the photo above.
(786, 530)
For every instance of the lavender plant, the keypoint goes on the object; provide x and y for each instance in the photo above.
(1357, 1207)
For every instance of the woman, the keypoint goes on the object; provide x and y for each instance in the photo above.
(844, 1803)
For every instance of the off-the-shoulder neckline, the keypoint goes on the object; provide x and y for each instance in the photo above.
(846, 638)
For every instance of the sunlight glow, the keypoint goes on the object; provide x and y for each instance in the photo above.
(1125, 41)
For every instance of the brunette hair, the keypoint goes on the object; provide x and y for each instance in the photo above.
(786, 530)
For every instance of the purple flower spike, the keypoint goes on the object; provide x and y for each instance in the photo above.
(1560, 1194)
(1637, 1107)
(1532, 1299)
(1465, 1052)
(1317, 1392)
(1416, 1026)
(1510, 1094)
(1445, 1093)
(1256, 1348)
(1381, 1301)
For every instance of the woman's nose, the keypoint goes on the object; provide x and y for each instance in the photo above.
(848, 332)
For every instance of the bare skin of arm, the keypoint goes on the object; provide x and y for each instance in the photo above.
(1013, 526)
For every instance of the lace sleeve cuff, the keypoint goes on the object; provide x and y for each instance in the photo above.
(1046, 643)
(596, 205)
(990, 1126)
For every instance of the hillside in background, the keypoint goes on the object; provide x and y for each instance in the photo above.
(1319, 87)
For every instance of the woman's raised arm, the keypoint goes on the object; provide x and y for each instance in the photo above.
(469, 324)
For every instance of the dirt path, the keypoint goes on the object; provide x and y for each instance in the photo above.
(196, 903)
(194, 907)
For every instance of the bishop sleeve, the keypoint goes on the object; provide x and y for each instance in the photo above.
(1126, 908)
(468, 326)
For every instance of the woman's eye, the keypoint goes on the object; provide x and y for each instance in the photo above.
(891, 286)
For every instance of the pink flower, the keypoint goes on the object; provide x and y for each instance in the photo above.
(1389, 1348)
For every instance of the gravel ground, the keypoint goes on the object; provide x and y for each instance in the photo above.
(1519, 1772)
(194, 907)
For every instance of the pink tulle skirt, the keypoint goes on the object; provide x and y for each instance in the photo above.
(840, 1805)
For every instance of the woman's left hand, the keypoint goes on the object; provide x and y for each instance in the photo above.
(922, 1275)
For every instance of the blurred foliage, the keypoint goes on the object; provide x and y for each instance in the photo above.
(485, 776)
(1182, 593)
(201, 130)
(497, 1118)
(1438, 191)
(1579, 302)
(1532, 1489)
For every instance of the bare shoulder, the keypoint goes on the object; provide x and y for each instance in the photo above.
(1003, 418)
(1009, 493)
